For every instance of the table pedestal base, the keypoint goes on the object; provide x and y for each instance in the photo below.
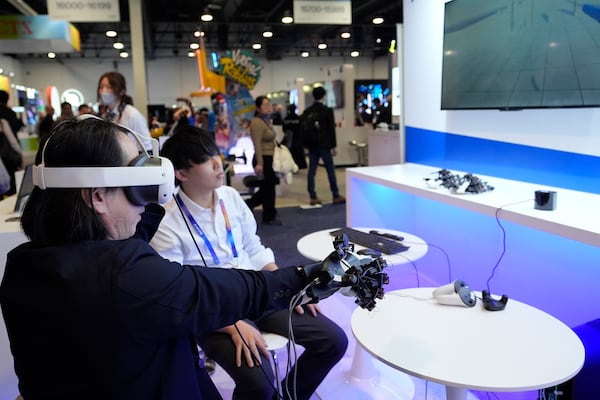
(362, 380)
(456, 393)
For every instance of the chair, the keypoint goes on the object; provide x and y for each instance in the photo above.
(361, 151)
(275, 343)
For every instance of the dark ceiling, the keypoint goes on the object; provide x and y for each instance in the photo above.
(169, 27)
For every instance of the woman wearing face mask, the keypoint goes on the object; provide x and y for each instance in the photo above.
(119, 107)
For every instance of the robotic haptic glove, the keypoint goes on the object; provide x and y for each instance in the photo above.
(344, 271)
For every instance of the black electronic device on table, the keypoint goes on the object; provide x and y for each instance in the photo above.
(371, 241)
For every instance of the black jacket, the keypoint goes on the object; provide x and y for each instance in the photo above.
(327, 139)
(114, 320)
(9, 115)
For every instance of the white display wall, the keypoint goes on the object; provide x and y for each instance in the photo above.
(574, 130)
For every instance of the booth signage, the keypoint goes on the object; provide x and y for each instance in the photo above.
(240, 66)
(37, 33)
(85, 11)
(323, 12)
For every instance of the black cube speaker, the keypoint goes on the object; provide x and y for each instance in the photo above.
(545, 200)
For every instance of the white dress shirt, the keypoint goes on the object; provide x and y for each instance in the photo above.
(134, 120)
(174, 241)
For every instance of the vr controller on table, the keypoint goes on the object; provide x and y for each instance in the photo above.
(346, 272)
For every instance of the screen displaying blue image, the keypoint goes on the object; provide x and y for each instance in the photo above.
(366, 91)
(507, 54)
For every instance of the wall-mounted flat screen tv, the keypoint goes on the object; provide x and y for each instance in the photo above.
(367, 90)
(507, 54)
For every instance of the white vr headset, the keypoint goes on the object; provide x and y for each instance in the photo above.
(456, 293)
(147, 179)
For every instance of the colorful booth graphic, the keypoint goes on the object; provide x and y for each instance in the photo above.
(241, 71)
(37, 33)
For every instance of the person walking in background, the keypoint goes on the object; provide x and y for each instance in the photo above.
(66, 112)
(112, 89)
(291, 130)
(263, 137)
(85, 109)
(8, 114)
(202, 120)
(318, 135)
(44, 126)
(12, 155)
(223, 235)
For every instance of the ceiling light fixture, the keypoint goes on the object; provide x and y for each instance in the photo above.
(304, 54)
(268, 33)
(207, 16)
(111, 33)
(51, 55)
(123, 54)
(191, 54)
(287, 17)
(257, 46)
(322, 46)
(377, 21)
(354, 53)
(345, 35)
(194, 46)
(118, 45)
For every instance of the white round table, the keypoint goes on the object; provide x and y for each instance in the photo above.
(518, 349)
(361, 379)
(318, 245)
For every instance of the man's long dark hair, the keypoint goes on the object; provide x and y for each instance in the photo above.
(60, 216)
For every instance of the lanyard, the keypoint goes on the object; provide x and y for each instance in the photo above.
(228, 227)
(198, 229)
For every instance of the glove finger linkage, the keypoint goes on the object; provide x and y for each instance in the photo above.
(344, 271)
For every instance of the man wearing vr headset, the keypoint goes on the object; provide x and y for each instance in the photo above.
(209, 224)
(91, 310)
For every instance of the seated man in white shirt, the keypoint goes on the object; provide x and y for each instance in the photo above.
(210, 224)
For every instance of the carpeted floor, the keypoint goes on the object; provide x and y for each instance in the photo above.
(298, 222)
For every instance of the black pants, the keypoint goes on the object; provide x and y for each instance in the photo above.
(324, 345)
(11, 169)
(266, 192)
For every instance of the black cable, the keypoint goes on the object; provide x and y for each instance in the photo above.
(414, 265)
(440, 249)
(291, 344)
(190, 230)
(487, 284)
(257, 362)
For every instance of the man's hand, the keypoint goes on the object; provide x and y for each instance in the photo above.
(253, 338)
(312, 308)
